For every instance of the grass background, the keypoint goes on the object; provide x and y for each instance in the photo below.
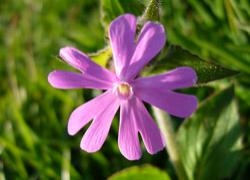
(33, 139)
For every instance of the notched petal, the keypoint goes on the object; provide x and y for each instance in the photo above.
(128, 140)
(122, 36)
(151, 40)
(177, 104)
(181, 77)
(84, 113)
(71, 80)
(97, 133)
(151, 134)
(82, 62)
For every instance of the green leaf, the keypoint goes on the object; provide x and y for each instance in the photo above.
(206, 71)
(146, 172)
(110, 9)
(209, 141)
(102, 57)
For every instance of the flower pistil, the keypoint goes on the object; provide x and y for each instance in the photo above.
(124, 90)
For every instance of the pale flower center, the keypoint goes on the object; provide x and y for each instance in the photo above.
(124, 90)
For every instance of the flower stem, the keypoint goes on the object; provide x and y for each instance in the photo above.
(166, 127)
(152, 11)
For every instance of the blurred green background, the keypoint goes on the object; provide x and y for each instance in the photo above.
(34, 143)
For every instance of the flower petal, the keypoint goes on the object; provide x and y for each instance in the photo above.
(177, 104)
(96, 134)
(71, 80)
(128, 140)
(151, 40)
(122, 40)
(181, 77)
(84, 113)
(82, 62)
(148, 129)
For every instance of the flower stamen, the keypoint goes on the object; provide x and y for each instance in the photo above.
(124, 90)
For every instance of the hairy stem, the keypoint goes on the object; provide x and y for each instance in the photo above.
(166, 127)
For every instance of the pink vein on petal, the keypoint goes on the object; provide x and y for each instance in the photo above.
(84, 113)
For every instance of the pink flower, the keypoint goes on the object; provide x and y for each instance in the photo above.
(124, 90)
